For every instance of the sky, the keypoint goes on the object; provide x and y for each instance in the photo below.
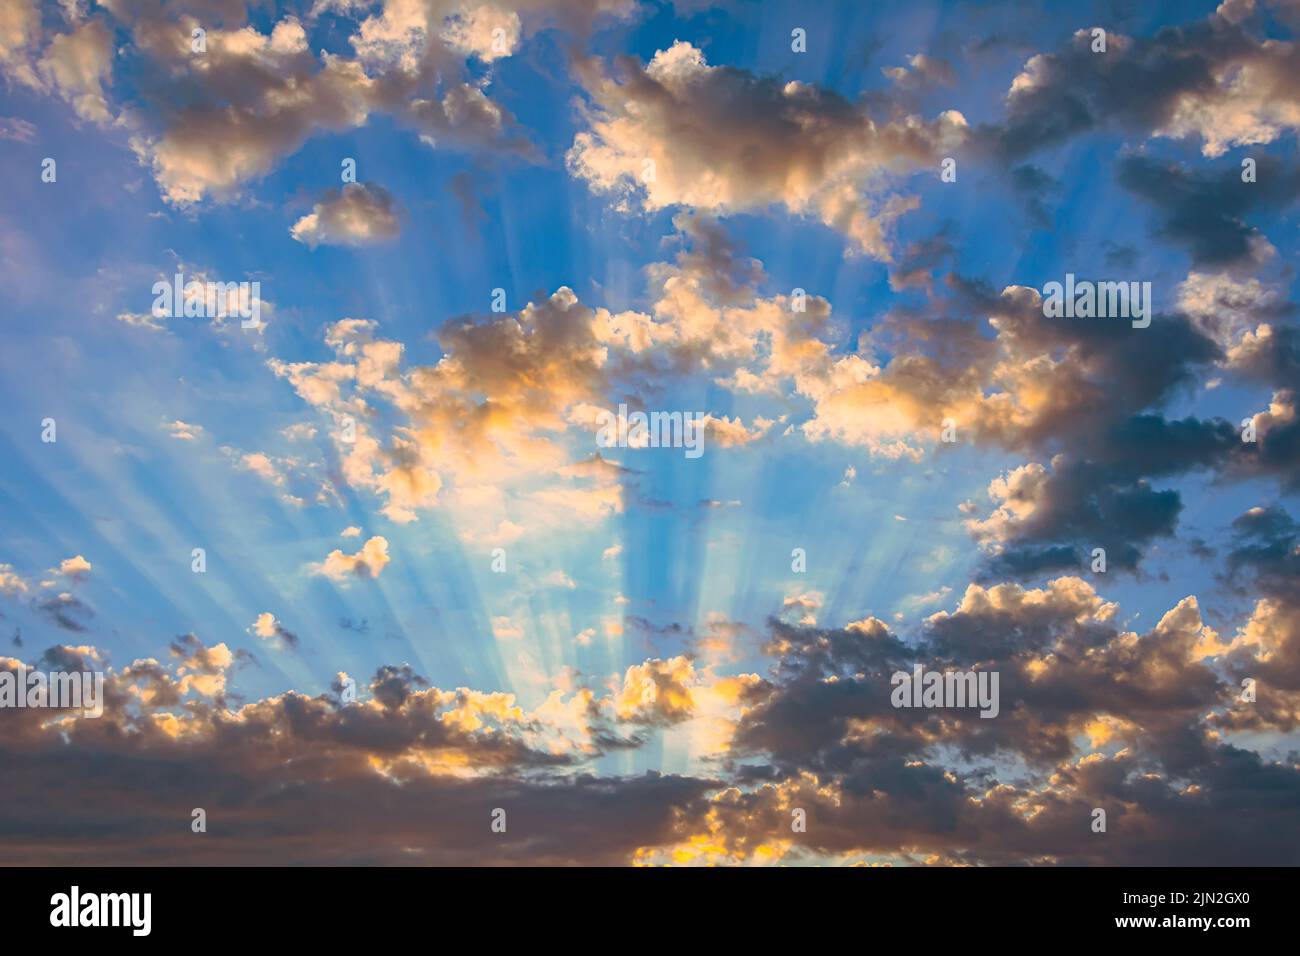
(364, 573)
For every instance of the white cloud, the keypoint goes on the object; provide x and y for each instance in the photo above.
(368, 562)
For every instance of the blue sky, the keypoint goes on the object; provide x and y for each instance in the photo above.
(178, 433)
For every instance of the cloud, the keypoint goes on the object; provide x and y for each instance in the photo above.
(77, 65)
(357, 215)
(1082, 397)
(1085, 434)
(804, 605)
(20, 33)
(201, 669)
(1204, 211)
(368, 562)
(75, 567)
(300, 431)
(402, 743)
(656, 692)
(269, 629)
(511, 388)
(559, 579)
(67, 612)
(11, 582)
(1229, 309)
(504, 628)
(503, 427)
(840, 750)
(184, 431)
(17, 129)
(1277, 444)
(679, 132)
(1093, 715)
(261, 465)
(1052, 520)
(1210, 81)
(921, 72)
(208, 122)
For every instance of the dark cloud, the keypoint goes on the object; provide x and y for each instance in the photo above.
(819, 733)
(921, 259)
(874, 779)
(1034, 185)
(1265, 557)
(278, 776)
(1138, 83)
(1204, 211)
(69, 613)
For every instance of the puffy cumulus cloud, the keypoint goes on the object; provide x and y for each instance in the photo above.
(731, 432)
(171, 731)
(20, 35)
(1255, 99)
(206, 123)
(75, 567)
(255, 98)
(503, 426)
(708, 843)
(1205, 211)
(1265, 649)
(484, 413)
(419, 35)
(77, 65)
(679, 132)
(1270, 353)
(709, 317)
(493, 426)
(1091, 714)
(201, 669)
(803, 606)
(487, 32)
(1250, 319)
(1218, 81)
(1085, 398)
(1034, 381)
(11, 582)
(356, 215)
(1051, 520)
(1277, 444)
(1096, 715)
(656, 692)
(921, 72)
(366, 563)
(1229, 308)
(260, 464)
(269, 629)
